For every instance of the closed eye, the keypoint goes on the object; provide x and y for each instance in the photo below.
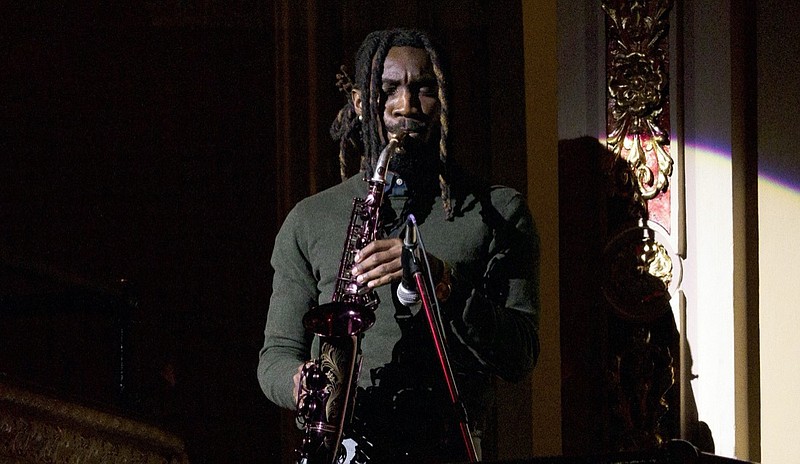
(430, 91)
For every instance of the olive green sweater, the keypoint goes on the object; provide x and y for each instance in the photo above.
(491, 316)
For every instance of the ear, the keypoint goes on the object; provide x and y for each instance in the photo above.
(355, 94)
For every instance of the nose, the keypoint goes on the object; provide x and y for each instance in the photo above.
(406, 103)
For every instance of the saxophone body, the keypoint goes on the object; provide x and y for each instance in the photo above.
(328, 383)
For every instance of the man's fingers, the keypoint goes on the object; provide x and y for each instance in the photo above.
(376, 254)
(383, 279)
(378, 247)
(296, 379)
(379, 263)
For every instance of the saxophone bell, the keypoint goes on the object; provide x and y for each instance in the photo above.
(338, 319)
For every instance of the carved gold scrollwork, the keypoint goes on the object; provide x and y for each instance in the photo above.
(638, 273)
(637, 86)
(640, 377)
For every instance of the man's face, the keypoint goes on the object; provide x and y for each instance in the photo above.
(410, 94)
(410, 100)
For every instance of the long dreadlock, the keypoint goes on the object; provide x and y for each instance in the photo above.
(364, 137)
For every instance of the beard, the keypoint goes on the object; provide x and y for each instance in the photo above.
(418, 163)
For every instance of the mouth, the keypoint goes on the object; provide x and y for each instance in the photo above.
(410, 127)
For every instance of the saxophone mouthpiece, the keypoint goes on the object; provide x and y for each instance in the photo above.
(397, 135)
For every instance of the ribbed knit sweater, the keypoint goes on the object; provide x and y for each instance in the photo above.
(491, 316)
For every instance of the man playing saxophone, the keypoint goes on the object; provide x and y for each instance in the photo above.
(482, 250)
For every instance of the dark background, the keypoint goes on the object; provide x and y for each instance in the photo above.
(162, 143)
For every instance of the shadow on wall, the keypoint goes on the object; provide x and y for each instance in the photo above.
(619, 341)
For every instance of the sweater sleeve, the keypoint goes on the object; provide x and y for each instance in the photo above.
(286, 344)
(499, 322)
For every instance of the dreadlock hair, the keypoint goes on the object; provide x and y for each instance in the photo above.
(364, 137)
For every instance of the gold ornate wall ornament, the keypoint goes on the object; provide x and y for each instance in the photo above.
(639, 274)
(639, 271)
(638, 84)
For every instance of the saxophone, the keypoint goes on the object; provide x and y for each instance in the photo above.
(326, 392)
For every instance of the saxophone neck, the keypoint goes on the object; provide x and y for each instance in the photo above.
(393, 147)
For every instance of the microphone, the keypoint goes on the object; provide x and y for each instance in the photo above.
(407, 290)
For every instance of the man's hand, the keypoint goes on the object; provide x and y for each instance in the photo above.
(379, 263)
(296, 380)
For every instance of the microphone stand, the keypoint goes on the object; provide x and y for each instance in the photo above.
(444, 363)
